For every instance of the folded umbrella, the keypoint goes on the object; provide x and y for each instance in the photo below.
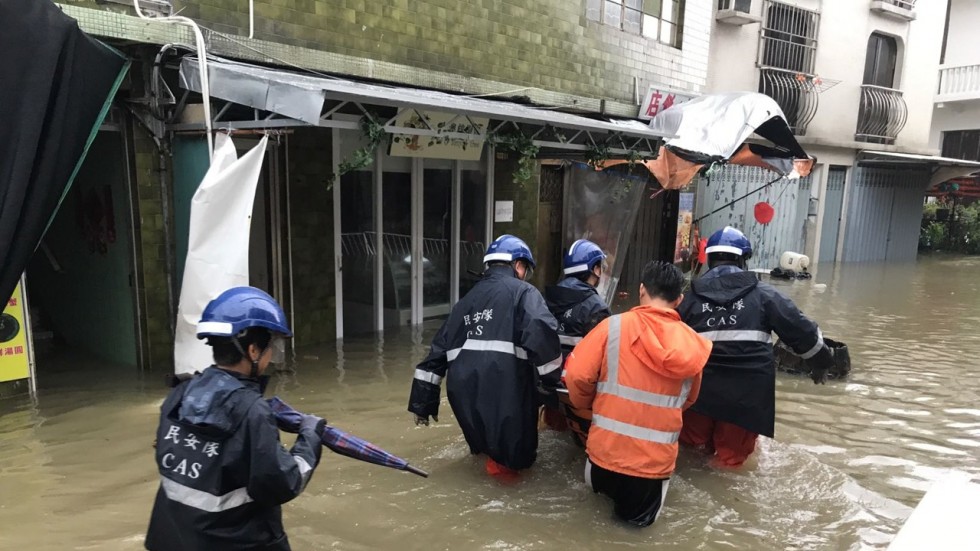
(342, 442)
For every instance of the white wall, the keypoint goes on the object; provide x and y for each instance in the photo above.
(845, 26)
(964, 25)
(958, 115)
(961, 49)
(920, 77)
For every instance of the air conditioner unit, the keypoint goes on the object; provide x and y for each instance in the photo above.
(736, 12)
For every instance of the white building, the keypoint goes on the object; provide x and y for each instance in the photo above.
(856, 80)
(956, 117)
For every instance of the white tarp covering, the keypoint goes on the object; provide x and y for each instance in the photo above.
(716, 124)
(217, 248)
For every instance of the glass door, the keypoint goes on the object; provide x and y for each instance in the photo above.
(438, 222)
(473, 239)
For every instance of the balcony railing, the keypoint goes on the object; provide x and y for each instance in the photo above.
(796, 94)
(882, 114)
(906, 4)
(959, 83)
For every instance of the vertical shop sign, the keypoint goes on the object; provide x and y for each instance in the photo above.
(685, 217)
(14, 359)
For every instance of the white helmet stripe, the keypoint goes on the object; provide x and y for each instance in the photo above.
(723, 249)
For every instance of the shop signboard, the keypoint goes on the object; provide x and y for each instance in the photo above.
(438, 146)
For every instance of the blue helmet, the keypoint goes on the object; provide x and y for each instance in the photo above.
(582, 256)
(239, 308)
(508, 248)
(729, 240)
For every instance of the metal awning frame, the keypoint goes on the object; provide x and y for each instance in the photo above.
(569, 133)
(868, 157)
(620, 143)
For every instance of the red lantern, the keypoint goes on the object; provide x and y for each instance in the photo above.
(764, 213)
(702, 254)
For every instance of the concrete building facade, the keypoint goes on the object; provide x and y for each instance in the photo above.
(856, 80)
(392, 242)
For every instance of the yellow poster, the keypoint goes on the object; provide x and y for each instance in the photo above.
(14, 362)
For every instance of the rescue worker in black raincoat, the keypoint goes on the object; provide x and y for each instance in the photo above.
(577, 306)
(731, 307)
(501, 344)
(224, 474)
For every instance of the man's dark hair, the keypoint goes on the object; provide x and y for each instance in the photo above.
(225, 352)
(662, 280)
(721, 259)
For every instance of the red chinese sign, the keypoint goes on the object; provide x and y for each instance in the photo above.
(657, 101)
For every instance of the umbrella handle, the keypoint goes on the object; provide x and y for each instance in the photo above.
(416, 470)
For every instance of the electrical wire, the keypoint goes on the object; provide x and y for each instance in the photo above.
(202, 66)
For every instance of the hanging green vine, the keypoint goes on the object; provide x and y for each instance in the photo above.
(526, 151)
(597, 155)
(361, 157)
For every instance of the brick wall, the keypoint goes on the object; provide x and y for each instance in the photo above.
(312, 231)
(525, 198)
(547, 44)
(160, 339)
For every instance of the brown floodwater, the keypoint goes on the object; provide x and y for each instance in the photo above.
(850, 461)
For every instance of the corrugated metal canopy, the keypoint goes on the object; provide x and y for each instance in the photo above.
(308, 98)
(905, 159)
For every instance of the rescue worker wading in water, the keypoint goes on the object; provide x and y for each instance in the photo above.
(498, 345)
(223, 471)
(636, 372)
(734, 309)
(577, 306)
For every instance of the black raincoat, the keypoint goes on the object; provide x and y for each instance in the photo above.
(501, 342)
(578, 308)
(738, 312)
(223, 471)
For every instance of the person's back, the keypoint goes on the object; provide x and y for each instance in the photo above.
(636, 372)
(223, 472)
(500, 340)
(203, 451)
(732, 308)
(577, 306)
(574, 301)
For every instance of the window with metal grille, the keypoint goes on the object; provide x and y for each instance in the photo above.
(789, 37)
(660, 20)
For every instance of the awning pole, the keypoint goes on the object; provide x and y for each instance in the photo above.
(733, 201)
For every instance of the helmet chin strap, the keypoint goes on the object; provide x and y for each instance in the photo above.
(254, 373)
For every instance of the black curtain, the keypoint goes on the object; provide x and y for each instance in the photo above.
(55, 82)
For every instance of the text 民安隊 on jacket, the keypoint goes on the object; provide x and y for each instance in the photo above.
(497, 345)
(577, 307)
(224, 473)
(736, 311)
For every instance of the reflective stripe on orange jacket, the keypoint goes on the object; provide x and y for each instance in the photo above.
(637, 372)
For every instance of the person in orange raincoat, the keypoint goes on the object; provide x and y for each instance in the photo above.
(636, 372)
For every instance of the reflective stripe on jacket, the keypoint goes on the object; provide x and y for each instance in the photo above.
(637, 372)
(224, 473)
(738, 313)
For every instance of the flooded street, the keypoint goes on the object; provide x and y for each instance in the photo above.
(850, 461)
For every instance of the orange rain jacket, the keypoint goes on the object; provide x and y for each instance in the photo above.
(637, 372)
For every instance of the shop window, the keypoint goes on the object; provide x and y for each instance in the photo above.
(660, 20)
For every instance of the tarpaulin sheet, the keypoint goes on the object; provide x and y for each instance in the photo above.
(602, 208)
(56, 85)
(217, 248)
